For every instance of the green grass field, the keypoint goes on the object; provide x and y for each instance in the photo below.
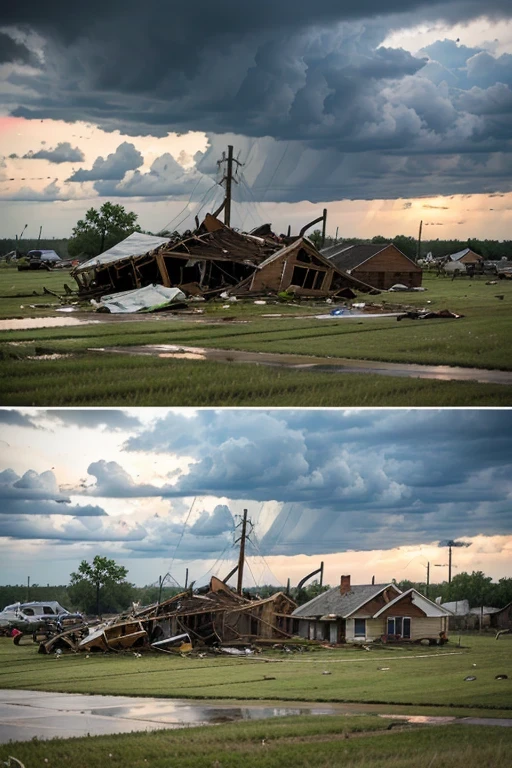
(416, 676)
(479, 340)
(427, 681)
(303, 742)
(322, 742)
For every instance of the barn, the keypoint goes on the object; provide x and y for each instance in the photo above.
(367, 612)
(381, 265)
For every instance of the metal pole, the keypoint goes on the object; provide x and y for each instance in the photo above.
(324, 225)
(242, 554)
(28, 589)
(229, 178)
(450, 564)
(321, 574)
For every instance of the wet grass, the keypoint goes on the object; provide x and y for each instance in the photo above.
(102, 380)
(479, 340)
(414, 677)
(302, 742)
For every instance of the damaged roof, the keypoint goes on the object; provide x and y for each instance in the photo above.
(341, 605)
(136, 244)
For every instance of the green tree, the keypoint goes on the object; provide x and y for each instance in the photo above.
(100, 585)
(100, 230)
(316, 238)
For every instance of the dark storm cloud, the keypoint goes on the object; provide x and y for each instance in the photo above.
(107, 419)
(14, 418)
(81, 529)
(12, 51)
(352, 478)
(317, 81)
(15, 507)
(63, 153)
(113, 167)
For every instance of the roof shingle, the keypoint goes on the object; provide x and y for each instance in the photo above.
(333, 602)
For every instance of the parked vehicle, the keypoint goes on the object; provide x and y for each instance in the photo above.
(30, 617)
(43, 259)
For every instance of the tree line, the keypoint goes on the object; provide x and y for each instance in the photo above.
(101, 229)
(102, 587)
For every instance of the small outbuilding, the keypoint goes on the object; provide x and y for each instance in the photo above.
(381, 265)
(363, 613)
(466, 256)
(502, 619)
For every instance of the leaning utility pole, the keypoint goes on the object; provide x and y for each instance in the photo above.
(228, 178)
(241, 556)
(418, 249)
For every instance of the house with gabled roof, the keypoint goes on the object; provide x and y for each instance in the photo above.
(381, 265)
(365, 612)
(466, 256)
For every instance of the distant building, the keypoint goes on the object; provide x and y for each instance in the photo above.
(466, 256)
(381, 265)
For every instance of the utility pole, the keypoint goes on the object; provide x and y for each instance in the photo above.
(39, 236)
(428, 579)
(241, 556)
(449, 564)
(418, 249)
(186, 578)
(28, 589)
(228, 178)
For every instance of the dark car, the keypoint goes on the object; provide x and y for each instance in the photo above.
(43, 259)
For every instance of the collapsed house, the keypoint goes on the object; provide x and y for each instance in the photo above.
(213, 616)
(216, 259)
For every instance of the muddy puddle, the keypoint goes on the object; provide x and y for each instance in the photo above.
(31, 323)
(25, 715)
(322, 365)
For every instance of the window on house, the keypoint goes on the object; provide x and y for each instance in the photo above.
(397, 625)
(360, 628)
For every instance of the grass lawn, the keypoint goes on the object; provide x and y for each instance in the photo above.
(303, 742)
(415, 676)
(481, 340)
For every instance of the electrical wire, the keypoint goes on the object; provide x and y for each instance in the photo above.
(185, 208)
(258, 547)
(182, 533)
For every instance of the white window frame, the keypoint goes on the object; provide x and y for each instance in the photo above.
(403, 619)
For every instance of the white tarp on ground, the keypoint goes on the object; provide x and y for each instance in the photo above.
(136, 244)
(142, 299)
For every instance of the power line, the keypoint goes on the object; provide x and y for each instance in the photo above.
(182, 532)
(186, 206)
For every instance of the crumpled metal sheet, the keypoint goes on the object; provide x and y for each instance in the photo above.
(145, 299)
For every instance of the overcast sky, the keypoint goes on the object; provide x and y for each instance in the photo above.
(388, 114)
(370, 492)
